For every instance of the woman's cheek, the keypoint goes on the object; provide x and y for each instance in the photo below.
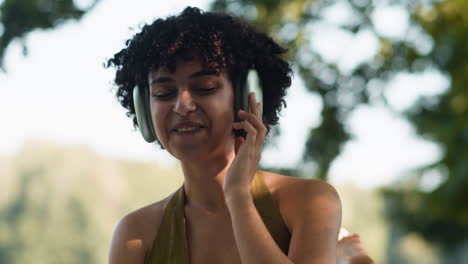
(159, 124)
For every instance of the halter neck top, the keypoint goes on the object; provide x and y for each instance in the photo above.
(170, 245)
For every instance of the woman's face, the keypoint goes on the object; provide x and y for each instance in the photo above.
(201, 99)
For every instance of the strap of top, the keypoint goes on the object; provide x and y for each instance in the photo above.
(170, 245)
(269, 212)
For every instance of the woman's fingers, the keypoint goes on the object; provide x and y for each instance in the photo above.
(255, 107)
(256, 123)
(257, 112)
(251, 131)
(238, 142)
(253, 104)
(253, 123)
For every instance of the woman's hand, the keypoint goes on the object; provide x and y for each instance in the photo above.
(248, 151)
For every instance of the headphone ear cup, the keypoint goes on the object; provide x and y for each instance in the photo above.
(245, 83)
(239, 90)
(143, 113)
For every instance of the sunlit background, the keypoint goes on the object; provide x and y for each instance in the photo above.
(71, 164)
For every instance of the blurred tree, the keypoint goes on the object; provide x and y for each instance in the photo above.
(293, 23)
(439, 214)
(44, 218)
(63, 202)
(436, 40)
(20, 17)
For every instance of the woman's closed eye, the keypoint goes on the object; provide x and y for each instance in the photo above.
(198, 91)
(206, 90)
(163, 96)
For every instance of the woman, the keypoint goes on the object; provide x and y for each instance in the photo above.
(226, 211)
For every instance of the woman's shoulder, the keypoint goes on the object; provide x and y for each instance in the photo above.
(134, 233)
(282, 186)
(296, 196)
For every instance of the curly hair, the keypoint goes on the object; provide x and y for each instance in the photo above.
(221, 41)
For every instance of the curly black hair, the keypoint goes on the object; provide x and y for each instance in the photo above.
(222, 42)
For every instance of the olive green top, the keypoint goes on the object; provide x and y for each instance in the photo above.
(170, 244)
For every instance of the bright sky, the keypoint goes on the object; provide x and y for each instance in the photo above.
(46, 95)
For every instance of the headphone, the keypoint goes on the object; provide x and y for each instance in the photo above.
(243, 86)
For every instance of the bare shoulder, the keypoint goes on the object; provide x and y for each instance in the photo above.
(134, 234)
(285, 188)
(294, 195)
(311, 210)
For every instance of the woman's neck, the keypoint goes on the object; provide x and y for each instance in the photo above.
(204, 182)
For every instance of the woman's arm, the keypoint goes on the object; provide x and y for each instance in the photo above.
(126, 246)
(314, 216)
(313, 213)
(314, 207)
(134, 234)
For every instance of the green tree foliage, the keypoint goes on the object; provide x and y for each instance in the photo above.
(441, 214)
(20, 17)
(291, 23)
(62, 202)
(436, 39)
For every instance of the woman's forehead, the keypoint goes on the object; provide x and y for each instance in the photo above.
(182, 64)
(185, 67)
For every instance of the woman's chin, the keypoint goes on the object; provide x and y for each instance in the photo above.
(197, 152)
(189, 151)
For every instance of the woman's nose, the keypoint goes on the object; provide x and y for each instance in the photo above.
(184, 103)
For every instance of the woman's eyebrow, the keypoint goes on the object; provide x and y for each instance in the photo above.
(193, 75)
(203, 73)
(162, 80)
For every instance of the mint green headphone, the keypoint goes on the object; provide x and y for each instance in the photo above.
(141, 102)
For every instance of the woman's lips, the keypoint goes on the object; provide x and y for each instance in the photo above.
(187, 124)
(188, 131)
